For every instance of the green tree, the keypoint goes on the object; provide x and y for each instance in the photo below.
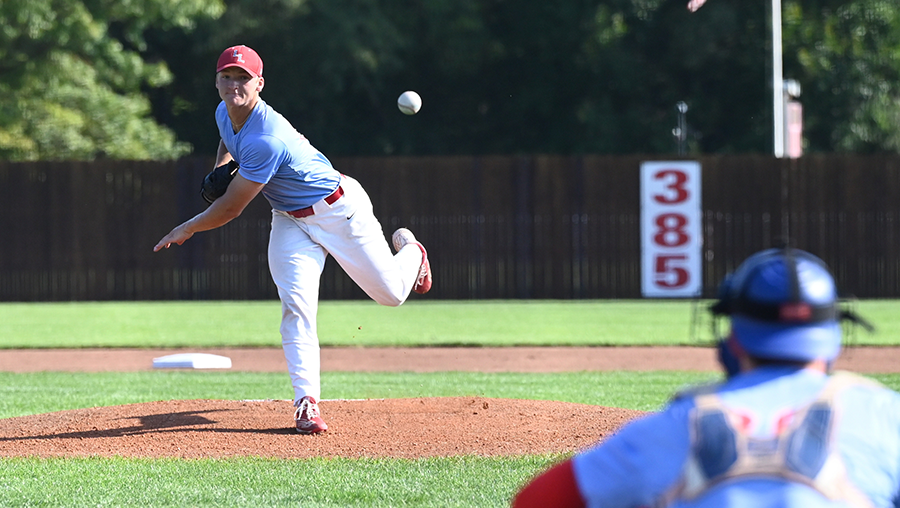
(328, 64)
(847, 59)
(73, 81)
(576, 76)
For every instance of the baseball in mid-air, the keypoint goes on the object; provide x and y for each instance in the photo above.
(409, 102)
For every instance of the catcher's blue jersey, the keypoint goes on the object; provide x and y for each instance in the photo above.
(269, 150)
(853, 443)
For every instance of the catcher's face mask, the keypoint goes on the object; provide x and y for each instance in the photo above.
(783, 306)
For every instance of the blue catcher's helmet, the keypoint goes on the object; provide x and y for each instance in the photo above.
(783, 306)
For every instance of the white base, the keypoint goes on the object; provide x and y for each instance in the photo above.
(192, 361)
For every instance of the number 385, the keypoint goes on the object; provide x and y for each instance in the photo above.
(671, 230)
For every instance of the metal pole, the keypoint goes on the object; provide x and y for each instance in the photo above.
(777, 81)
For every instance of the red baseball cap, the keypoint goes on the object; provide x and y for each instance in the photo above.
(243, 57)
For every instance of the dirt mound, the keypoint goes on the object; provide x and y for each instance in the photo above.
(399, 428)
(357, 428)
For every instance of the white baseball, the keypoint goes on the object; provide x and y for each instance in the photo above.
(409, 102)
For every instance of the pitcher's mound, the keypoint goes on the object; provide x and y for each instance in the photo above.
(400, 428)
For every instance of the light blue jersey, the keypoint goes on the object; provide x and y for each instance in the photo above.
(646, 459)
(270, 151)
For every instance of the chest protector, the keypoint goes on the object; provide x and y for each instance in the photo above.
(801, 449)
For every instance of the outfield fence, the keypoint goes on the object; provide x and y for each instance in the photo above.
(495, 227)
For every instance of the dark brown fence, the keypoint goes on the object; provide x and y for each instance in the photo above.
(495, 227)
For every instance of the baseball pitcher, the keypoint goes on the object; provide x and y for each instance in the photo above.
(316, 211)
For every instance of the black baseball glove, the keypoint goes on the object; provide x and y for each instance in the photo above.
(215, 183)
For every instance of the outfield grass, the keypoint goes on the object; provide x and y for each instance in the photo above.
(365, 323)
(254, 482)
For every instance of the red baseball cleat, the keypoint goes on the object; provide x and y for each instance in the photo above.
(423, 281)
(401, 238)
(307, 417)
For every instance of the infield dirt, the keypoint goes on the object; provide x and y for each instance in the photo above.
(407, 428)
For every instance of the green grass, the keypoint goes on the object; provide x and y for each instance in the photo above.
(445, 482)
(365, 323)
(44, 392)
(254, 482)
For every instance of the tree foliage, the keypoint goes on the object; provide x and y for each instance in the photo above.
(847, 57)
(73, 78)
(126, 78)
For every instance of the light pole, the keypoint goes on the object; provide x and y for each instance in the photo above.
(777, 81)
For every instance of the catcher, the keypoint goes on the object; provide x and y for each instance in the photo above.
(316, 211)
(781, 431)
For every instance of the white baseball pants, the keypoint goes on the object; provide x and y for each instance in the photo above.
(350, 232)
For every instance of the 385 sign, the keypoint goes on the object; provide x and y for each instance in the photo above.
(671, 239)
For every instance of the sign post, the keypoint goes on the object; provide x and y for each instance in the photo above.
(671, 229)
